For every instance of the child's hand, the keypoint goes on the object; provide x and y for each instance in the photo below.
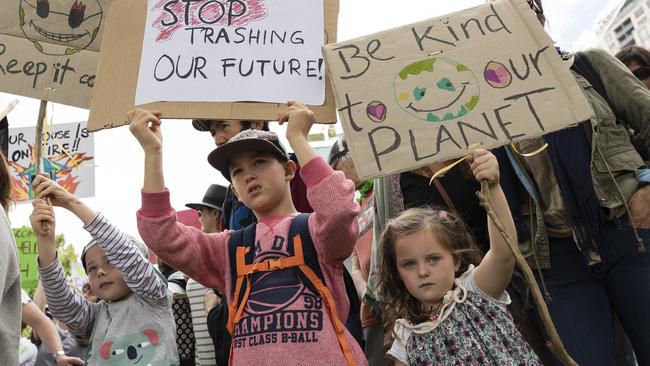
(46, 188)
(300, 119)
(485, 167)
(149, 136)
(43, 211)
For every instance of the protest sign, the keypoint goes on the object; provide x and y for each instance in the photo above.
(68, 157)
(228, 51)
(49, 49)
(27, 256)
(189, 218)
(202, 59)
(425, 92)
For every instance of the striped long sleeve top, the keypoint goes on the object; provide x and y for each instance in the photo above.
(139, 326)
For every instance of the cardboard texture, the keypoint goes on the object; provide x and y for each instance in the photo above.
(50, 50)
(118, 71)
(425, 92)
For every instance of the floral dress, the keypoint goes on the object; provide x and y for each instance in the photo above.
(473, 328)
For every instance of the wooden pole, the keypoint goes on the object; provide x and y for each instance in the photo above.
(38, 148)
(554, 343)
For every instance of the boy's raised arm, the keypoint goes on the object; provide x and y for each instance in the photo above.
(145, 126)
(331, 195)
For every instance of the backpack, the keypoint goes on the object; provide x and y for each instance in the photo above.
(583, 66)
(303, 261)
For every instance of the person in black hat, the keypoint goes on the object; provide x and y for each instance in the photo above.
(210, 208)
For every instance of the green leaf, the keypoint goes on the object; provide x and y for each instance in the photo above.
(21, 15)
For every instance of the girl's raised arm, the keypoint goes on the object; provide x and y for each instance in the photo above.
(495, 271)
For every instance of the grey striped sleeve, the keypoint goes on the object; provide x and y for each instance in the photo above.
(120, 250)
(65, 303)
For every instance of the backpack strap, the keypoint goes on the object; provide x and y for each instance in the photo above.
(241, 243)
(311, 276)
(300, 226)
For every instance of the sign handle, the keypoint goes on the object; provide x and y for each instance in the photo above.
(554, 343)
(38, 152)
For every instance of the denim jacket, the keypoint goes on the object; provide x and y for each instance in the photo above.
(612, 152)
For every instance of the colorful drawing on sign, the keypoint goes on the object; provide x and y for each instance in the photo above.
(61, 172)
(376, 111)
(180, 14)
(436, 89)
(27, 255)
(67, 23)
(497, 75)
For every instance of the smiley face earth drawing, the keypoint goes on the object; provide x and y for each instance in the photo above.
(436, 89)
(71, 23)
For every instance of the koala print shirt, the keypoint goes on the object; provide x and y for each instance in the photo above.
(283, 320)
(139, 330)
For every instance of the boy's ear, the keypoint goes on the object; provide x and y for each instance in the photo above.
(257, 125)
(234, 191)
(290, 168)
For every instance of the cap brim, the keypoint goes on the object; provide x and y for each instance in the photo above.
(220, 156)
(198, 206)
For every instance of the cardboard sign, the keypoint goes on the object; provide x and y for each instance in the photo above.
(68, 157)
(122, 48)
(425, 92)
(49, 49)
(189, 218)
(228, 51)
(27, 255)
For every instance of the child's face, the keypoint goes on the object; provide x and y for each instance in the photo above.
(105, 280)
(425, 266)
(260, 180)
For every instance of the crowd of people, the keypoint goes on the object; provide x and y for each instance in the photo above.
(299, 261)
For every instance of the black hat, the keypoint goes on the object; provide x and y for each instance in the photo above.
(337, 151)
(213, 198)
(247, 140)
(202, 124)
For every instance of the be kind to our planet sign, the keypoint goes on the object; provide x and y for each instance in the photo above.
(232, 50)
(426, 92)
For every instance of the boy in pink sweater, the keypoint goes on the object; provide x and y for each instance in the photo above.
(282, 318)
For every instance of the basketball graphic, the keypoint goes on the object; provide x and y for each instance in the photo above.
(273, 291)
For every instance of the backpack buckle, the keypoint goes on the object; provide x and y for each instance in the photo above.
(275, 263)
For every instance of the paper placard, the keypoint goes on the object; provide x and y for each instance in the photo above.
(425, 92)
(68, 157)
(27, 256)
(229, 51)
(119, 67)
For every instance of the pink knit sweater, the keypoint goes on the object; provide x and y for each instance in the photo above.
(283, 322)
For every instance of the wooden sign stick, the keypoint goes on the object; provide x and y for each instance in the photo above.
(38, 149)
(554, 343)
